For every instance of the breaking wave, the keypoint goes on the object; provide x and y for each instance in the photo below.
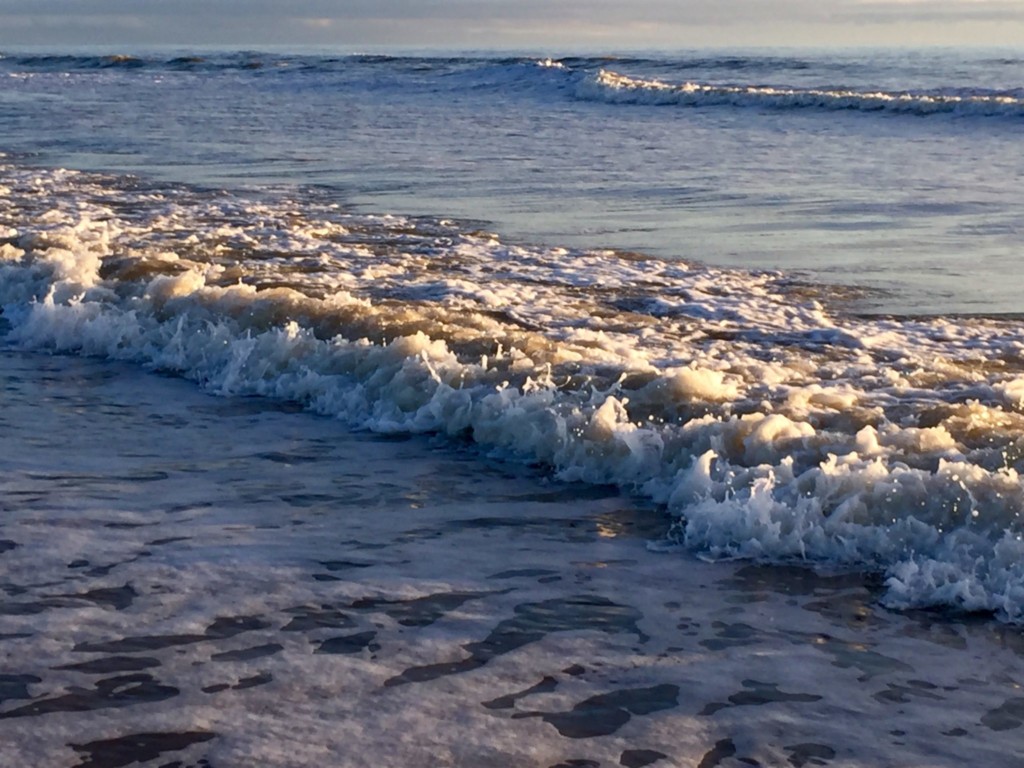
(587, 78)
(612, 87)
(770, 425)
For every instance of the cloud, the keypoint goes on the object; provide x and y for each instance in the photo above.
(320, 23)
(59, 21)
(951, 11)
(496, 23)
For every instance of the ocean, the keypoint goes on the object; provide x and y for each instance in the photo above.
(419, 408)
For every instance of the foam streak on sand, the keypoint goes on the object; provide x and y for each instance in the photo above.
(773, 427)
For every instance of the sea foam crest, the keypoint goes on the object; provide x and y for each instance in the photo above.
(613, 87)
(770, 426)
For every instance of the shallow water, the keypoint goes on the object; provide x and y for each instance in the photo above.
(223, 580)
(894, 171)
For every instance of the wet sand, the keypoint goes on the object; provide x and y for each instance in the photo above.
(195, 581)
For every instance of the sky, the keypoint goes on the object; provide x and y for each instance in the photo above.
(519, 24)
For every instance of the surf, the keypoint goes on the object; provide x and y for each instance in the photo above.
(770, 425)
(612, 87)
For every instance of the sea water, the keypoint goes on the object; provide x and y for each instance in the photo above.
(769, 297)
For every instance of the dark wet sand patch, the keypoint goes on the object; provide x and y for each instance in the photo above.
(532, 622)
(574, 529)
(951, 630)
(221, 629)
(796, 581)
(546, 685)
(111, 664)
(847, 655)
(851, 601)
(323, 577)
(570, 492)
(304, 500)
(167, 540)
(29, 609)
(722, 750)
(348, 644)
(1005, 717)
(732, 636)
(136, 748)
(758, 694)
(853, 610)
(117, 598)
(230, 626)
(120, 525)
(74, 480)
(249, 654)
(138, 644)
(307, 619)
(363, 545)
(810, 754)
(104, 570)
(246, 405)
(252, 682)
(114, 692)
(285, 457)
(524, 573)
(13, 687)
(901, 694)
(604, 714)
(344, 565)
(639, 758)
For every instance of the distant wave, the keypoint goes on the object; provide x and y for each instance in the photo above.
(613, 87)
(66, 62)
(242, 60)
(88, 63)
(583, 77)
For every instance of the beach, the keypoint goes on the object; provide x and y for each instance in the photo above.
(478, 410)
(317, 597)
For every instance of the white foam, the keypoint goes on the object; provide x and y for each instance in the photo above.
(614, 87)
(772, 427)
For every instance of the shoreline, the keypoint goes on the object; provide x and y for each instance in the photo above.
(222, 579)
